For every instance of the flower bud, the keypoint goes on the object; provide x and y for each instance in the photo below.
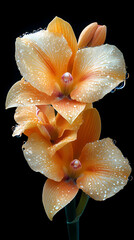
(99, 36)
(92, 35)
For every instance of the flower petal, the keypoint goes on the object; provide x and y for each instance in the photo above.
(67, 137)
(23, 94)
(62, 124)
(96, 71)
(30, 121)
(56, 195)
(66, 153)
(37, 155)
(27, 120)
(40, 58)
(58, 25)
(48, 112)
(68, 109)
(106, 169)
(24, 114)
(89, 131)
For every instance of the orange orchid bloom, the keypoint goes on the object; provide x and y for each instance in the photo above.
(97, 167)
(57, 72)
(56, 130)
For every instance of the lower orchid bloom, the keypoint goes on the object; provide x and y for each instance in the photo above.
(57, 72)
(97, 167)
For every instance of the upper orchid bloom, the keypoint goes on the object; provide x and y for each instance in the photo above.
(55, 130)
(96, 167)
(56, 72)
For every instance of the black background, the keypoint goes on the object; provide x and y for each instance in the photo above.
(24, 215)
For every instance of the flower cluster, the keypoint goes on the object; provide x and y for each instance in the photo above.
(61, 79)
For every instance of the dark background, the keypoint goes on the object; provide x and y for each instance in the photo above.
(21, 187)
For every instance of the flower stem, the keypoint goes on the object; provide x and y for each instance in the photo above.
(73, 215)
(72, 226)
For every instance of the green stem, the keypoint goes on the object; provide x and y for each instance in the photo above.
(72, 226)
(73, 215)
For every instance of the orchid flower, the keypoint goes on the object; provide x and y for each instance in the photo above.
(97, 167)
(59, 71)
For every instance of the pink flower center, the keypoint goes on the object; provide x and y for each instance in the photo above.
(66, 83)
(67, 78)
(75, 164)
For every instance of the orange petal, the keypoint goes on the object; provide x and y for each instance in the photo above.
(87, 34)
(27, 120)
(106, 169)
(27, 128)
(40, 58)
(96, 71)
(56, 195)
(66, 154)
(68, 109)
(24, 114)
(23, 94)
(67, 137)
(37, 155)
(89, 131)
(48, 112)
(58, 25)
(62, 124)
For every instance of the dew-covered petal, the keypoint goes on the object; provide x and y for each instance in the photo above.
(23, 94)
(68, 109)
(40, 58)
(105, 169)
(67, 137)
(27, 128)
(29, 121)
(56, 195)
(24, 114)
(89, 131)
(96, 71)
(37, 155)
(59, 26)
(26, 119)
(62, 124)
